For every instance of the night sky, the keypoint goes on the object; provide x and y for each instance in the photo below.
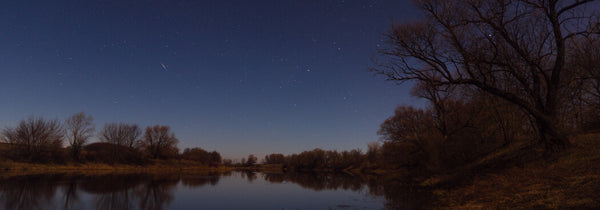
(239, 77)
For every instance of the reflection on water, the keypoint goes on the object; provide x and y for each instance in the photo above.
(159, 191)
(399, 193)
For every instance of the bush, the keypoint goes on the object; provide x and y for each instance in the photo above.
(198, 154)
(102, 152)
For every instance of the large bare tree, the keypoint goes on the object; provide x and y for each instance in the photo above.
(79, 127)
(513, 49)
(159, 141)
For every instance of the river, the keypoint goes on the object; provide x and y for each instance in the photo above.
(232, 190)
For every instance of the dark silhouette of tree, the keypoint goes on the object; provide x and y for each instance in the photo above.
(35, 138)
(121, 134)
(471, 128)
(407, 125)
(198, 154)
(112, 134)
(80, 128)
(514, 50)
(227, 162)
(159, 141)
(321, 160)
(373, 152)
(103, 152)
(215, 158)
(243, 161)
(131, 134)
(585, 84)
(274, 159)
(251, 160)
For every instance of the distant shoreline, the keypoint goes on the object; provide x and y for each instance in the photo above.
(161, 167)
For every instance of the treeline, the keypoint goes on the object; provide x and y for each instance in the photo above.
(488, 111)
(461, 129)
(317, 160)
(38, 140)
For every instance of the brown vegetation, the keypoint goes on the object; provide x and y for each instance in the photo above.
(570, 182)
(35, 139)
(101, 152)
(159, 142)
(198, 154)
(36, 144)
(79, 129)
(122, 134)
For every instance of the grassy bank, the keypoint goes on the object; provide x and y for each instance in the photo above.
(511, 178)
(105, 163)
(572, 181)
(159, 166)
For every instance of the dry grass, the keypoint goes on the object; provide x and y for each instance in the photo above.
(159, 166)
(570, 182)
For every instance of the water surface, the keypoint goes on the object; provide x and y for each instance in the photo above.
(233, 190)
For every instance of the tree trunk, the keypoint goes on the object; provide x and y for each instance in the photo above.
(550, 136)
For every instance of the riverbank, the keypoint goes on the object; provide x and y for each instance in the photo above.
(160, 166)
(571, 181)
(510, 178)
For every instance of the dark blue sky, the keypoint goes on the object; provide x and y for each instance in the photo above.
(240, 77)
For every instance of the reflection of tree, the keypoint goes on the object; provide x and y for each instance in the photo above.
(70, 195)
(28, 192)
(250, 175)
(156, 193)
(115, 200)
(319, 181)
(112, 191)
(399, 192)
(196, 180)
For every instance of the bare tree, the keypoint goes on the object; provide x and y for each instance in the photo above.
(111, 134)
(514, 50)
(586, 79)
(34, 136)
(374, 148)
(274, 159)
(251, 160)
(131, 134)
(159, 141)
(80, 128)
(407, 125)
(121, 134)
